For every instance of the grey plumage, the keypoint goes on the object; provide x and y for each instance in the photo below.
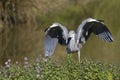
(50, 44)
(58, 33)
(54, 34)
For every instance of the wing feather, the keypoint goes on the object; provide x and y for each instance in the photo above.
(54, 34)
(49, 45)
(102, 31)
(58, 31)
(97, 27)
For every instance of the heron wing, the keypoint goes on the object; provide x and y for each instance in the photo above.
(58, 31)
(97, 27)
(83, 31)
(49, 45)
(102, 31)
(54, 34)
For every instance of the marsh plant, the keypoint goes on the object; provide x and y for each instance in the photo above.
(48, 69)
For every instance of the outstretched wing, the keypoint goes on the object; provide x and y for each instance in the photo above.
(54, 34)
(92, 25)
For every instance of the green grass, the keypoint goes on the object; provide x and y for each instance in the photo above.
(47, 69)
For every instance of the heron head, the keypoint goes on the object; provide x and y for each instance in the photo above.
(71, 33)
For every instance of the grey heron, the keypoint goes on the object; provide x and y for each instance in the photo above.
(58, 33)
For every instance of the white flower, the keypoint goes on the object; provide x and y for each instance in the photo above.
(9, 60)
(25, 58)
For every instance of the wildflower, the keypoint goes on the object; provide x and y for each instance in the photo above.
(38, 76)
(8, 63)
(16, 62)
(9, 60)
(45, 59)
(26, 63)
(8, 66)
(25, 58)
(37, 60)
(5, 74)
(42, 76)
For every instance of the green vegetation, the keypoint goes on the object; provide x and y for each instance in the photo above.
(22, 25)
(47, 69)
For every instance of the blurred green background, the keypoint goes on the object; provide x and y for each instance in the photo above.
(22, 24)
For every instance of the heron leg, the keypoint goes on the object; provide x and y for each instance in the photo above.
(79, 56)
